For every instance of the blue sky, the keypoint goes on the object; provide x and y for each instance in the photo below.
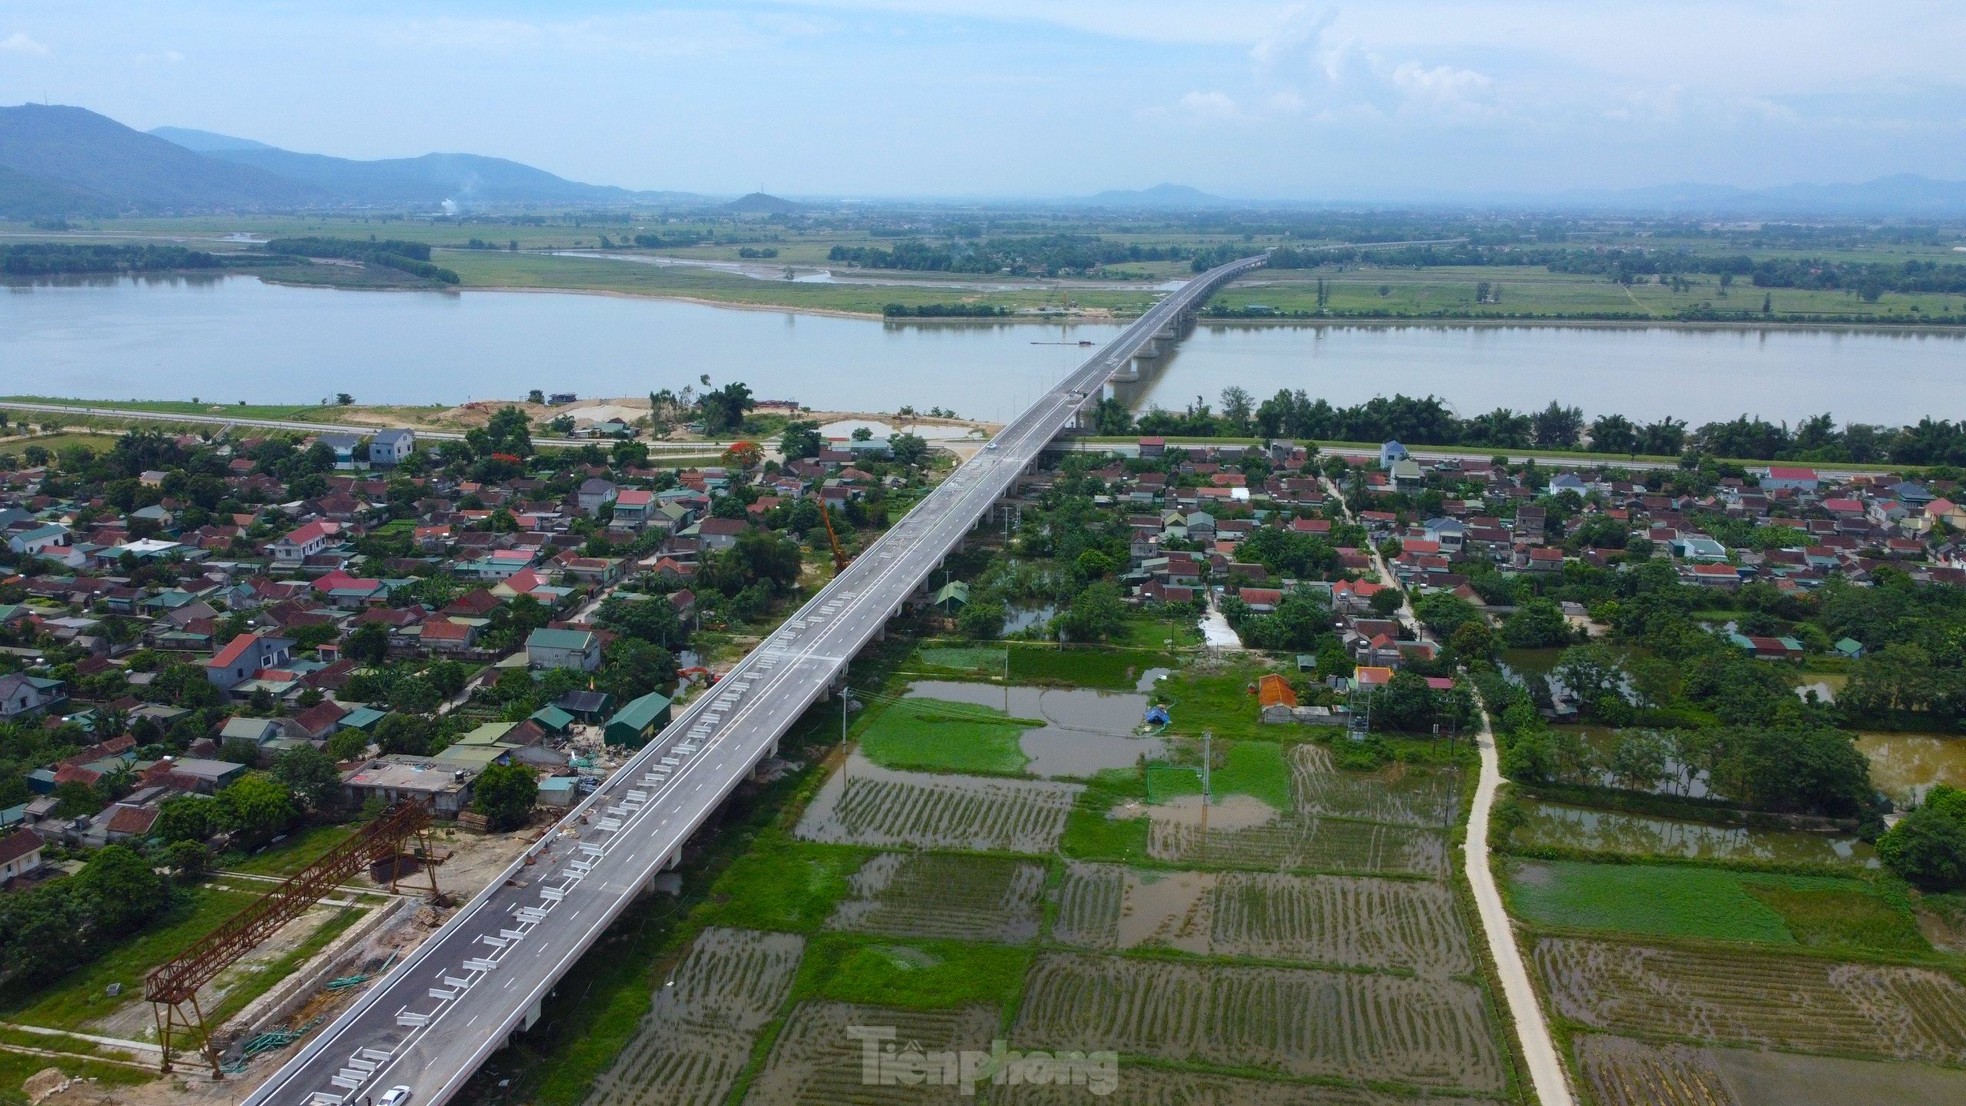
(1248, 98)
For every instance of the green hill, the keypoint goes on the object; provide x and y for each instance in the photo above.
(68, 160)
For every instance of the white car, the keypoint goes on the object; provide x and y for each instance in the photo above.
(992, 445)
(395, 1096)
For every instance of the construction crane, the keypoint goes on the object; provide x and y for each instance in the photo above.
(174, 985)
(839, 555)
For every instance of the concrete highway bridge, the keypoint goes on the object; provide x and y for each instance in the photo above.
(433, 1019)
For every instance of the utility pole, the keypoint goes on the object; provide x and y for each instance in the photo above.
(846, 708)
(1207, 745)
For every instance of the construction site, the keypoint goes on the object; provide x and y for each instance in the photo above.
(292, 953)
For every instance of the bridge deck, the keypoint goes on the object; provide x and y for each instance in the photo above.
(433, 1019)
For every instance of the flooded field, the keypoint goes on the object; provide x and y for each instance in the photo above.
(1399, 795)
(696, 1040)
(1085, 731)
(1141, 1086)
(865, 804)
(1757, 1000)
(1340, 920)
(1288, 842)
(1252, 953)
(816, 1061)
(1624, 1072)
(1905, 765)
(1295, 1022)
(969, 898)
(1559, 824)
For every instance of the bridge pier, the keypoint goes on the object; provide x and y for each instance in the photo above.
(530, 1019)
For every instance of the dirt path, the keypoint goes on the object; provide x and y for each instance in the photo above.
(1546, 1072)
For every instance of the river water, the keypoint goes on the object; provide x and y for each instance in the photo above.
(230, 338)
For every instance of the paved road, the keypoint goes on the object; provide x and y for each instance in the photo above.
(1546, 1071)
(137, 414)
(432, 1020)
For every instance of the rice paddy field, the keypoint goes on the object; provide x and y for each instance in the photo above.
(1675, 980)
(1295, 941)
(698, 1036)
(1619, 1071)
(1287, 1021)
(1758, 1000)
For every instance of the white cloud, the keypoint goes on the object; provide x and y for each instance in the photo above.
(1296, 32)
(1210, 107)
(1439, 86)
(19, 43)
(168, 57)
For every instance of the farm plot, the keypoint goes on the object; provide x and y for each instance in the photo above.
(1110, 906)
(1295, 843)
(698, 1036)
(1750, 999)
(1341, 920)
(817, 1061)
(1399, 795)
(1140, 1086)
(1316, 919)
(967, 898)
(1625, 1072)
(1293, 1021)
(865, 804)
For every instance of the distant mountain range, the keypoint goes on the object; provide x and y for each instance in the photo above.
(57, 161)
(71, 161)
(1161, 197)
(1903, 194)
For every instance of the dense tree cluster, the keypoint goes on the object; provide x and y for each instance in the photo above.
(61, 258)
(47, 931)
(1040, 254)
(390, 253)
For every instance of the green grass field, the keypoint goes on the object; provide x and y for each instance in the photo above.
(1253, 768)
(974, 660)
(1366, 289)
(17, 1067)
(1540, 292)
(781, 884)
(81, 996)
(1219, 702)
(492, 269)
(1090, 834)
(290, 856)
(1691, 901)
(937, 736)
(1110, 669)
(305, 412)
(933, 975)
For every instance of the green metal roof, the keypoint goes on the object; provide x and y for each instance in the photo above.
(641, 713)
(487, 734)
(559, 639)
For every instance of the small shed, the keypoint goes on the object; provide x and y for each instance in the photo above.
(585, 706)
(952, 597)
(638, 720)
(558, 791)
